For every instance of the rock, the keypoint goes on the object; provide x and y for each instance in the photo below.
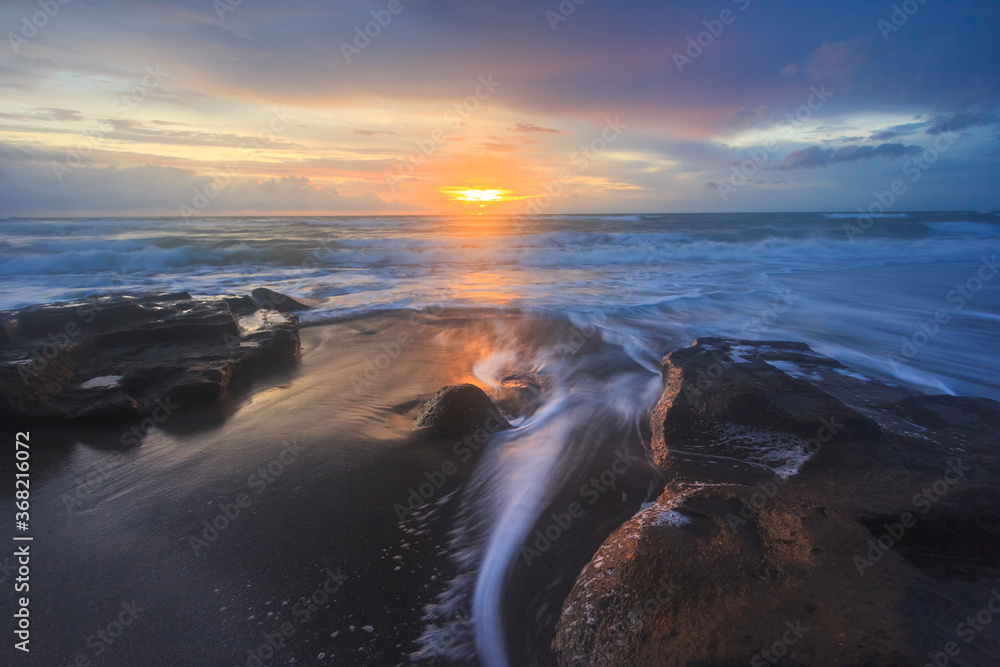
(272, 300)
(798, 565)
(110, 359)
(459, 410)
(716, 384)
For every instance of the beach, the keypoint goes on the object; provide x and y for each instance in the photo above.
(304, 515)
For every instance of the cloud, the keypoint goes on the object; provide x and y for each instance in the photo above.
(531, 127)
(744, 118)
(608, 59)
(134, 131)
(817, 156)
(31, 188)
(838, 61)
(47, 114)
(884, 135)
(789, 70)
(373, 133)
(955, 122)
(898, 131)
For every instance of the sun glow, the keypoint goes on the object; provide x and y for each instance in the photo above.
(476, 195)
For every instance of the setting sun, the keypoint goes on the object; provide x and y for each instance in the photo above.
(474, 195)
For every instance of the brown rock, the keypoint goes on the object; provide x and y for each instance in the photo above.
(794, 565)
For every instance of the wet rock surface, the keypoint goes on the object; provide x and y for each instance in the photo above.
(270, 300)
(458, 410)
(875, 553)
(113, 358)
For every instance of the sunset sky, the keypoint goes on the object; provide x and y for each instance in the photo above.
(254, 106)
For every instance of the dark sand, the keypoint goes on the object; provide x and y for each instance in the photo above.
(127, 535)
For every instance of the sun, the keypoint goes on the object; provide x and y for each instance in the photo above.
(476, 195)
(480, 197)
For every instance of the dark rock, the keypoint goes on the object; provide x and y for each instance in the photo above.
(459, 410)
(241, 305)
(758, 553)
(169, 348)
(272, 300)
(717, 383)
(940, 411)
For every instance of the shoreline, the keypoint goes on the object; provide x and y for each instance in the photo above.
(671, 501)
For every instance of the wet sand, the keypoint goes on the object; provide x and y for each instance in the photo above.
(216, 527)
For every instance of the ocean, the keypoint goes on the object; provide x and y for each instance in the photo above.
(357, 544)
(865, 291)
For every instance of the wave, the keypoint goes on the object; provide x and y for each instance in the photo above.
(844, 216)
(555, 250)
(964, 228)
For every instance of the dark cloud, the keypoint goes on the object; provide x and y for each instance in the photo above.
(898, 131)
(884, 135)
(956, 122)
(817, 156)
(605, 56)
(375, 133)
(134, 131)
(46, 114)
(531, 127)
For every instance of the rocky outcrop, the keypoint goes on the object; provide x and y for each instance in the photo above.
(271, 300)
(875, 553)
(107, 359)
(459, 410)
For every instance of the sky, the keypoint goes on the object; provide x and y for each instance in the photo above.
(244, 107)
